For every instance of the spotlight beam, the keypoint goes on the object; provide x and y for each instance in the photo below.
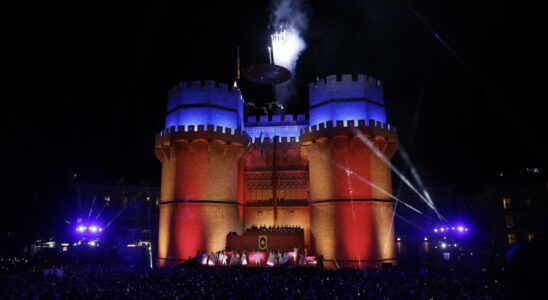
(411, 223)
(377, 152)
(397, 200)
(384, 191)
(100, 212)
(125, 207)
(361, 178)
(91, 207)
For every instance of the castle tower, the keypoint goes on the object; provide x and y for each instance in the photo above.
(350, 207)
(200, 151)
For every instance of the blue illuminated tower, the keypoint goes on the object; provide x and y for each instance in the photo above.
(194, 103)
(348, 146)
(346, 98)
(200, 151)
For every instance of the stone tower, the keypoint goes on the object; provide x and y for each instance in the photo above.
(350, 185)
(200, 150)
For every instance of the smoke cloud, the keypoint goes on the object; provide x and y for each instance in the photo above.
(290, 21)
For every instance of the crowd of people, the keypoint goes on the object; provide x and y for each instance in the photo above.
(277, 228)
(256, 258)
(27, 281)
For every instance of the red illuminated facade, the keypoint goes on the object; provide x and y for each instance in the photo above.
(330, 178)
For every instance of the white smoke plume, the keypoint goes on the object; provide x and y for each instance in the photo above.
(290, 21)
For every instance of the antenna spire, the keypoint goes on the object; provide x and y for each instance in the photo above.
(238, 62)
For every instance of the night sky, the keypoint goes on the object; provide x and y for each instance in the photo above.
(85, 84)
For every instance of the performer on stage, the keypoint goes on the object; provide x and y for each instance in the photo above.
(217, 258)
(224, 258)
(243, 260)
(211, 259)
(257, 258)
(302, 262)
(285, 257)
(234, 260)
(271, 261)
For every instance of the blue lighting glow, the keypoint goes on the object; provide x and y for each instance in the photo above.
(347, 111)
(333, 99)
(205, 104)
(460, 229)
(346, 87)
(286, 127)
(375, 112)
(93, 229)
(272, 131)
(202, 116)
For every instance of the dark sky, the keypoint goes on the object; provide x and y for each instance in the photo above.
(85, 83)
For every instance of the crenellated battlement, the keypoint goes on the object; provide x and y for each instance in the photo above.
(204, 92)
(288, 119)
(287, 126)
(346, 86)
(203, 85)
(205, 102)
(329, 129)
(282, 141)
(191, 132)
(346, 78)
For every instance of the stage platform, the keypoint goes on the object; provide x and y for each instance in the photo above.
(266, 240)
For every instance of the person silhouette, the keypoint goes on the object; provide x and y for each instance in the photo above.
(320, 262)
(243, 260)
(257, 258)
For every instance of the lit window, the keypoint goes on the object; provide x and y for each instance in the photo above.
(446, 255)
(511, 238)
(506, 202)
(509, 221)
(530, 236)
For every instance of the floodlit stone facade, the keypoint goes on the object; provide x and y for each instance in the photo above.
(329, 174)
